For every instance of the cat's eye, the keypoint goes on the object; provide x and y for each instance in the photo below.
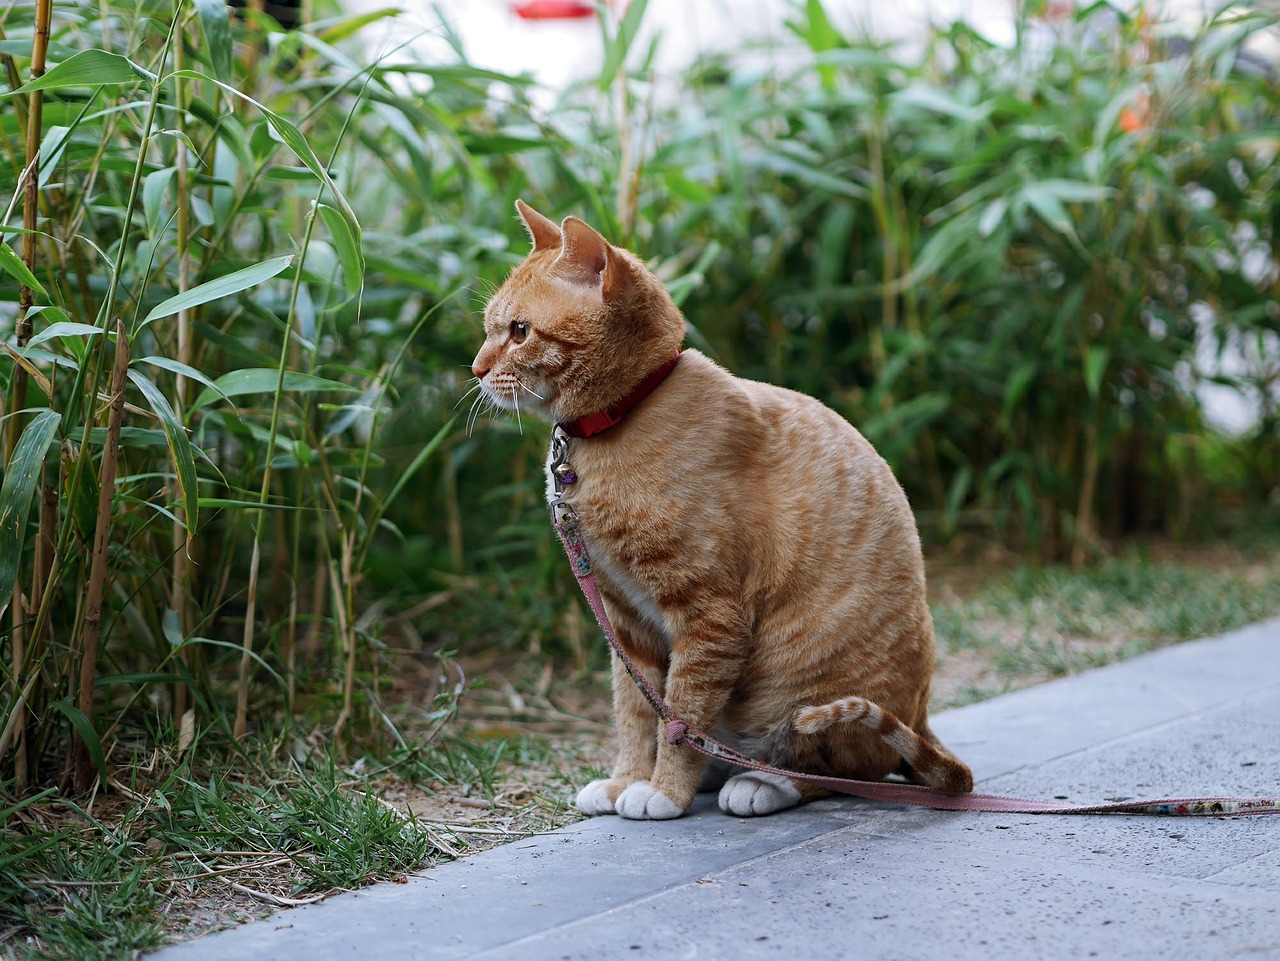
(519, 331)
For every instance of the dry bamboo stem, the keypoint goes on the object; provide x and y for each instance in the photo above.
(1084, 533)
(30, 200)
(98, 564)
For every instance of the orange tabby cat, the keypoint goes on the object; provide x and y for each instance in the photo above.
(756, 556)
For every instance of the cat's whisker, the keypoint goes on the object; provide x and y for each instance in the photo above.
(475, 411)
(525, 387)
(471, 390)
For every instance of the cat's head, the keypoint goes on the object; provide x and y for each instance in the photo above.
(576, 325)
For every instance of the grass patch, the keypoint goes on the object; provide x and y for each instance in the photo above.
(1032, 624)
(204, 849)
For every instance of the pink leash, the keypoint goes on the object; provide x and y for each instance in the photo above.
(678, 732)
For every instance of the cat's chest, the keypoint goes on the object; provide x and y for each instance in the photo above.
(607, 502)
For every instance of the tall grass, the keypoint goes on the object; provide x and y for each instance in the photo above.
(243, 273)
(194, 403)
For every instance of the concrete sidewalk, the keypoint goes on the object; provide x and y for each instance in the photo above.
(843, 878)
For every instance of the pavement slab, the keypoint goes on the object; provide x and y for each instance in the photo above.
(844, 878)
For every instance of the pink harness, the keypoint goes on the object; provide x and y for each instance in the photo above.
(678, 732)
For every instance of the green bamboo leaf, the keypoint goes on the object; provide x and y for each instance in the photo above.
(171, 627)
(63, 328)
(184, 461)
(1015, 387)
(782, 164)
(88, 68)
(956, 495)
(178, 367)
(1046, 203)
(295, 141)
(231, 283)
(991, 217)
(141, 677)
(940, 250)
(216, 27)
(619, 45)
(84, 727)
(12, 265)
(335, 31)
(454, 73)
(60, 326)
(681, 287)
(83, 507)
(154, 187)
(418, 461)
(932, 99)
(502, 143)
(263, 380)
(217, 503)
(348, 250)
(16, 493)
(236, 647)
(1076, 191)
(1095, 365)
(52, 147)
(286, 174)
(817, 31)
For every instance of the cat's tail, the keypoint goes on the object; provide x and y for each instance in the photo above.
(931, 763)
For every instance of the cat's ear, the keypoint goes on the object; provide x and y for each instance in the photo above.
(584, 257)
(542, 231)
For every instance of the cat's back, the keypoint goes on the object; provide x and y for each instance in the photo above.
(752, 470)
(790, 447)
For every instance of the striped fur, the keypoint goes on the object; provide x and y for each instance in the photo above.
(931, 764)
(755, 554)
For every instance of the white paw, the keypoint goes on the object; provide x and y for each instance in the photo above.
(594, 799)
(757, 793)
(644, 802)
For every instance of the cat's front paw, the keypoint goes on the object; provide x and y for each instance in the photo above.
(598, 797)
(644, 802)
(756, 793)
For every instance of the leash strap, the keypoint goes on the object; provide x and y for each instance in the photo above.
(677, 732)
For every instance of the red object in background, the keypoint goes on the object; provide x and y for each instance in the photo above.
(553, 9)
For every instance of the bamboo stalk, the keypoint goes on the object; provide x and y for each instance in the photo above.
(180, 577)
(246, 658)
(22, 330)
(18, 670)
(30, 199)
(23, 654)
(342, 598)
(241, 725)
(98, 564)
(96, 363)
(1084, 526)
(453, 516)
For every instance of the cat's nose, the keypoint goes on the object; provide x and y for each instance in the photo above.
(478, 372)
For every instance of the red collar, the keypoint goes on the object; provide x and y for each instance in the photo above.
(601, 421)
